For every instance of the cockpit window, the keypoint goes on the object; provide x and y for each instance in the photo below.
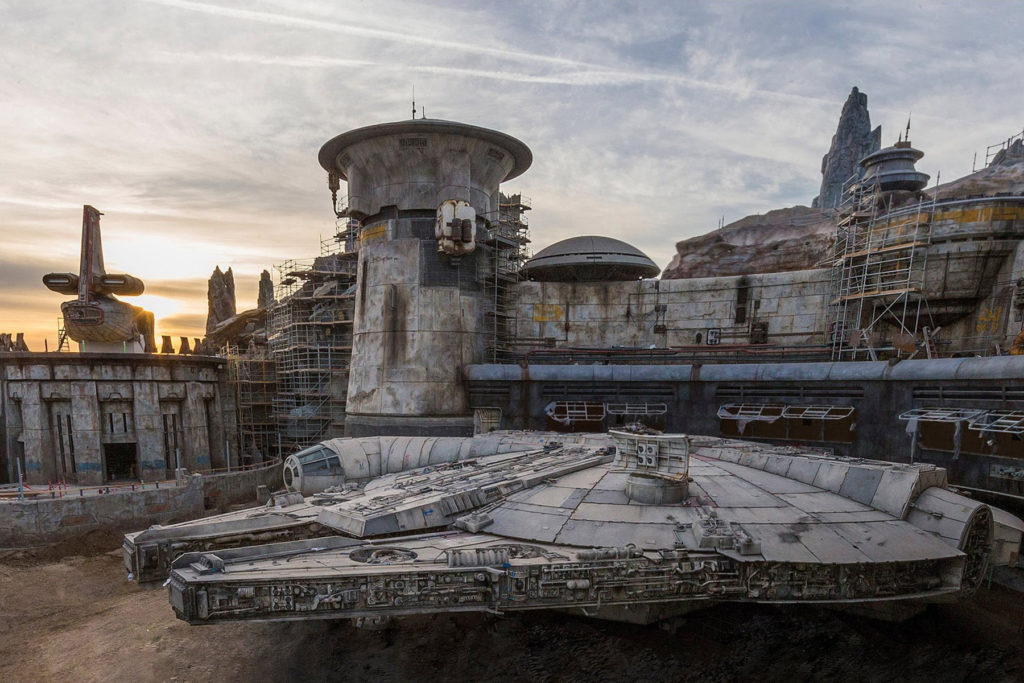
(319, 460)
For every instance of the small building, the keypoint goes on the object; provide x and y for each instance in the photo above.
(93, 418)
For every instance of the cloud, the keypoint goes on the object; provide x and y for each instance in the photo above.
(586, 75)
(25, 271)
(178, 289)
(353, 29)
(195, 125)
(182, 325)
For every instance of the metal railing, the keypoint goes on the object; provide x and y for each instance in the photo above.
(760, 353)
(56, 490)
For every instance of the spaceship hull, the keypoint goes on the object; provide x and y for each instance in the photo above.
(461, 572)
(565, 527)
(106, 320)
(96, 317)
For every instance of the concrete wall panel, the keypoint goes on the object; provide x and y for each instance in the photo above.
(625, 314)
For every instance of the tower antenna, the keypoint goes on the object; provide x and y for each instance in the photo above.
(414, 101)
(907, 136)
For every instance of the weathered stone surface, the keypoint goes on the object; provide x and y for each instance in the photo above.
(41, 521)
(796, 238)
(239, 329)
(265, 299)
(13, 342)
(854, 139)
(221, 298)
(1013, 154)
(97, 392)
(1004, 174)
(673, 313)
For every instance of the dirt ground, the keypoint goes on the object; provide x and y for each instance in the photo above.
(78, 619)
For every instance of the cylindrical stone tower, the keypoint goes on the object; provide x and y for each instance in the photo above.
(424, 192)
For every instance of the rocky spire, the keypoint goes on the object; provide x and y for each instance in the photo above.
(265, 299)
(1013, 153)
(220, 296)
(854, 140)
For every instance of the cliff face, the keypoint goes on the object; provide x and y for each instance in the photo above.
(1012, 154)
(1005, 173)
(220, 295)
(853, 141)
(796, 238)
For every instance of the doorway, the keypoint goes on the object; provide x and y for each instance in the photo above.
(120, 459)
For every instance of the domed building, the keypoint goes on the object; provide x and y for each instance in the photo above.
(590, 258)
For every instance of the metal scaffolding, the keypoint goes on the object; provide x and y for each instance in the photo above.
(253, 377)
(507, 240)
(310, 339)
(878, 268)
(63, 341)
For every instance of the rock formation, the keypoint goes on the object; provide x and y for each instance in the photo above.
(796, 238)
(784, 239)
(799, 237)
(1005, 173)
(13, 342)
(220, 297)
(265, 299)
(1009, 155)
(225, 327)
(853, 140)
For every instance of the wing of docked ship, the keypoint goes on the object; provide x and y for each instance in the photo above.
(328, 473)
(97, 318)
(648, 528)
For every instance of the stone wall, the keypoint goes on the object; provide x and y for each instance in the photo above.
(41, 522)
(32, 523)
(971, 272)
(89, 418)
(996, 318)
(669, 313)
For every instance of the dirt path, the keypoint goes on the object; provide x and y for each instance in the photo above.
(79, 619)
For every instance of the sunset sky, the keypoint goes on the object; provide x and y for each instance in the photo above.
(194, 126)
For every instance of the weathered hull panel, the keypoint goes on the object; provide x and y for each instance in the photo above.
(542, 577)
(103, 321)
(567, 528)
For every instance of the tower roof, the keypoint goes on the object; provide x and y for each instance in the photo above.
(336, 146)
(893, 168)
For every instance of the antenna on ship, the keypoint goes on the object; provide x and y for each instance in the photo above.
(414, 102)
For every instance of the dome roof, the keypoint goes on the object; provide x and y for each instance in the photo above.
(590, 258)
(336, 146)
